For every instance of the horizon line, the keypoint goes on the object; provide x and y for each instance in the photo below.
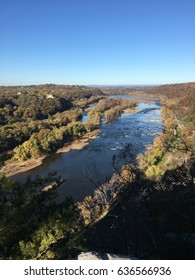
(97, 85)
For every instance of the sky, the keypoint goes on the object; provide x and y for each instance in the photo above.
(97, 42)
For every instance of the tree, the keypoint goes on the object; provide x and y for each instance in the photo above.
(94, 117)
(32, 224)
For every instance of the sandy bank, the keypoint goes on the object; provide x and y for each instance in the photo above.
(14, 167)
(79, 143)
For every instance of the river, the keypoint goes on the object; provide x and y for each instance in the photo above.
(139, 129)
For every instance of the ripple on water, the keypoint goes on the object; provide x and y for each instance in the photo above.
(113, 137)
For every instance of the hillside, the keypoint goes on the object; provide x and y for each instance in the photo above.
(67, 91)
(172, 90)
(153, 214)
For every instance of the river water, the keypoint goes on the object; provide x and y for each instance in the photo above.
(139, 129)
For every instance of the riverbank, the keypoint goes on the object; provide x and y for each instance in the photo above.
(14, 167)
(80, 143)
(11, 168)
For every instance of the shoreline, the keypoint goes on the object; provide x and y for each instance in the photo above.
(13, 167)
(78, 144)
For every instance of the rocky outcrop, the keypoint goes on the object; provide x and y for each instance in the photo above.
(102, 256)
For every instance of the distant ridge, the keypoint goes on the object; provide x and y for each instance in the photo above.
(123, 86)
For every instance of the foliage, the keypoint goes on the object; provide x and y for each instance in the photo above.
(31, 224)
(47, 141)
(12, 135)
(112, 114)
(27, 110)
(109, 108)
(175, 145)
(94, 117)
(172, 90)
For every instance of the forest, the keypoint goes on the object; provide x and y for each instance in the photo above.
(37, 121)
(149, 203)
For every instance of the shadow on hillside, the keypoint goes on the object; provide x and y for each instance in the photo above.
(154, 220)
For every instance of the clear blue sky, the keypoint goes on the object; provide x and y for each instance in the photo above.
(97, 41)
